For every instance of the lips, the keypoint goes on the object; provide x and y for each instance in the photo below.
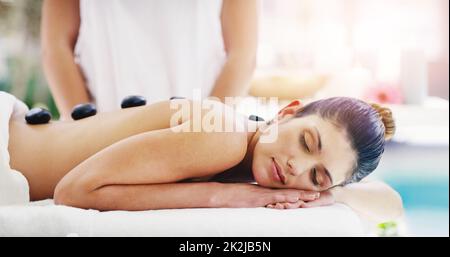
(278, 171)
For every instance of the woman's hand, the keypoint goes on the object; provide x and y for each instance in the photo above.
(325, 198)
(239, 195)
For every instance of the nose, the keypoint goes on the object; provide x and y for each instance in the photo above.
(291, 168)
(296, 166)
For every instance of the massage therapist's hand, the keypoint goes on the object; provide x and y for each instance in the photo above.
(240, 195)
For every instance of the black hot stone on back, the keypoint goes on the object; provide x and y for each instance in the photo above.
(38, 116)
(177, 97)
(82, 111)
(133, 101)
(255, 118)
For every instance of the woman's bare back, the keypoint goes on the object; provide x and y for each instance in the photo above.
(46, 153)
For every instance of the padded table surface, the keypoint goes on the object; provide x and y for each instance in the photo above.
(45, 219)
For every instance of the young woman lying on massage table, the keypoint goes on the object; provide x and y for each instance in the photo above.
(140, 159)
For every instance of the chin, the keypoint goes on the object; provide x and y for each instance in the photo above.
(260, 175)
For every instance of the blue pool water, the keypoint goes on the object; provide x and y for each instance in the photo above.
(426, 203)
(422, 192)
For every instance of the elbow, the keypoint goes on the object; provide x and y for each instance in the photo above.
(245, 60)
(72, 193)
(252, 62)
(46, 53)
(66, 195)
(53, 50)
(62, 195)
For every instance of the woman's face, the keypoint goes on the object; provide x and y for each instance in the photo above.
(310, 153)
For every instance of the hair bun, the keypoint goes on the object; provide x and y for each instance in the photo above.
(387, 119)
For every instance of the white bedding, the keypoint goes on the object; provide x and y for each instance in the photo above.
(13, 185)
(45, 219)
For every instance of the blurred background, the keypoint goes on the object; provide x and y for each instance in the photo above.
(394, 52)
(20, 62)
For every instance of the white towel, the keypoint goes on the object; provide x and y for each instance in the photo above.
(13, 185)
(45, 219)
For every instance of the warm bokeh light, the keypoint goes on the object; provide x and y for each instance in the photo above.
(334, 37)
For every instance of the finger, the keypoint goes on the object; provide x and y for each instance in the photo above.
(309, 195)
(286, 205)
(311, 204)
(295, 205)
(293, 195)
(290, 205)
(287, 195)
(316, 203)
(280, 197)
(279, 206)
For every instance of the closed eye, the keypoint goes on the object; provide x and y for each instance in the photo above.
(303, 142)
(314, 177)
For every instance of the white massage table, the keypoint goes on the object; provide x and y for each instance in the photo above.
(45, 219)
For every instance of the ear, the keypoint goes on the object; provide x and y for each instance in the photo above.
(291, 109)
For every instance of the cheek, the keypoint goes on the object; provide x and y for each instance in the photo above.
(258, 164)
(302, 182)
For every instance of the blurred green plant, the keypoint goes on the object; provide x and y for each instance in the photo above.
(5, 83)
(31, 99)
(20, 53)
(389, 228)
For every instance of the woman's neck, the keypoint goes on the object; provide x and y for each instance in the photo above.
(243, 171)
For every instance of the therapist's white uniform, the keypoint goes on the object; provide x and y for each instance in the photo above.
(153, 48)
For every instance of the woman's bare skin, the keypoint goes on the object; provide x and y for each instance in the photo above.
(50, 151)
(133, 160)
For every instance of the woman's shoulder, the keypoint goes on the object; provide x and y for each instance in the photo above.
(208, 116)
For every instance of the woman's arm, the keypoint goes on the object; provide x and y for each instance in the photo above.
(140, 197)
(181, 195)
(372, 199)
(60, 25)
(239, 26)
(154, 157)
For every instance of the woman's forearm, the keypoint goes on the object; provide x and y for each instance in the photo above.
(143, 197)
(373, 199)
(177, 196)
(65, 79)
(234, 80)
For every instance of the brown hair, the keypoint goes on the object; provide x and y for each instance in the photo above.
(368, 127)
(387, 119)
